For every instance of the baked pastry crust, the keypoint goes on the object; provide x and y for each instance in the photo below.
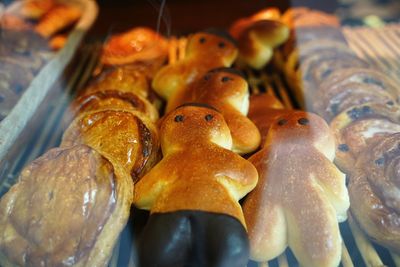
(68, 208)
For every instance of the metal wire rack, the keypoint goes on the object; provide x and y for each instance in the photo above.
(357, 249)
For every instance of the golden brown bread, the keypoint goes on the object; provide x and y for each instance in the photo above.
(125, 138)
(227, 91)
(67, 209)
(198, 165)
(58, 18)
(204, 51)
(300, 197)
(258, 35)
(35, 9)
(374, 192)
(139, 44)
(263, 111)
(111, 99)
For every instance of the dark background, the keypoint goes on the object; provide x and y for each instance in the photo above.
(184, 16)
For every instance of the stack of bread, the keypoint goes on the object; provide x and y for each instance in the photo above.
(70, 205)
(361, 104)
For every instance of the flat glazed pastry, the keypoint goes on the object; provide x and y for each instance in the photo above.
(257, 37)
(359, 126)
(193, 194)
(375, 194)
(205, 51)
(125, 138)
(67, 209)
(226, 90)
(300, 197)
(139, 44)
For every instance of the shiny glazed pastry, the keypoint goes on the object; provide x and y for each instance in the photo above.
(300, 197)
(193, 194)
(111, 99)
(358, 127)
(226, 90)
(125, 138)
(136, 45)
(374, 192)
(205, 51)
(258, 35)
(67, 209)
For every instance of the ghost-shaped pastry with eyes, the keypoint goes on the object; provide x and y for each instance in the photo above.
(193, 194)
(205, 51)
(300, 197)
(226, 90)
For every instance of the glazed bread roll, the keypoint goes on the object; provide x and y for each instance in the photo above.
(205, 51)
(226, 90)
(67, 209)
(193, 194)
(139, 44)
(257, 37)
(374, 192)
(125, 138)
(358, 127)
(300, 197)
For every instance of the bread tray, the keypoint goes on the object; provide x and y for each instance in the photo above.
(17, 120)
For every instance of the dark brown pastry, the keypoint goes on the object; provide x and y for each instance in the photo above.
(67, 209)
(374, 192)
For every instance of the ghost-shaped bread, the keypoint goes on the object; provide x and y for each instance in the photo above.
(193, 194)
(205, 51)
(226, 90)
(301, 195)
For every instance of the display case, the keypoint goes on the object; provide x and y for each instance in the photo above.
(199, 133)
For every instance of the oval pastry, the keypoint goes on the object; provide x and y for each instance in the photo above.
(68, 208)
(375, 192)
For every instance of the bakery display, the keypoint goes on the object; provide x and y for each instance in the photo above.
(195, 144)
(298, 203)
(193, 193)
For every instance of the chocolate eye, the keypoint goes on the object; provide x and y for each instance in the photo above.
(207, 77)
(282, 122)
(178, 118)
(202, 40)
(221, 45)
(380, 161)
(343, 147)
(303, 121)
(208, 117)
(225, 79)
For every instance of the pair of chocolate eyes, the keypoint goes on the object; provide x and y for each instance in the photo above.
(220, 44)
(180, 118)
(302, 121)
